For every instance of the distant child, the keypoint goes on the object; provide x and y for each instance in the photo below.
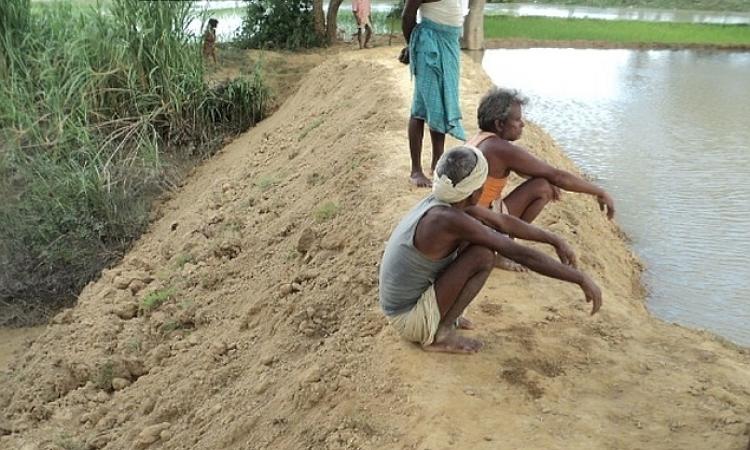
(209, 40)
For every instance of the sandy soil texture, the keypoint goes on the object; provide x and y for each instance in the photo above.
(247, 317)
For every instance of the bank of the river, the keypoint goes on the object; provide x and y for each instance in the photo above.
(706, 5)
(617, 33)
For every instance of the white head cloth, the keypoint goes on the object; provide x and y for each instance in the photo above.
(445, 190)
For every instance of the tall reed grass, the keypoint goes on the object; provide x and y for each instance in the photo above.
(95, 108)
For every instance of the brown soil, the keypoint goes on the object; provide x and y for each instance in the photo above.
(247, 316)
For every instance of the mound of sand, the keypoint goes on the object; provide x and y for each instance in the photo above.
(247, 316)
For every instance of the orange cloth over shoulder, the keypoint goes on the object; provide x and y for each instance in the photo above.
(493, 187)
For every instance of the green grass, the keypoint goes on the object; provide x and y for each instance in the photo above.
(706, 5)
(156, 299)
(97, 109)
(620, 32)
(327, 211)
(266, 182)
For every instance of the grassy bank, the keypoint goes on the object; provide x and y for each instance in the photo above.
(617, 32)
(706, 5)
(97, 113)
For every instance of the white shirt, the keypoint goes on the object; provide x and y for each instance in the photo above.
(445, 12)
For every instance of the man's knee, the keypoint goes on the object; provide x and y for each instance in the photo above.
(483, 257)
(543, 188)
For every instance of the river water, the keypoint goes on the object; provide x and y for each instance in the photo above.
(668, 134)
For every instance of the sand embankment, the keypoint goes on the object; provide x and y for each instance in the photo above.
(269, 335)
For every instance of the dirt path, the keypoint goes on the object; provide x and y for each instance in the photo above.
(12, 340)
(247, 316)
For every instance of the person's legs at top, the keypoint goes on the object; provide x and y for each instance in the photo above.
(455, 288)
(416, 137)
(368, 35)
(529, 199)
(438, 146)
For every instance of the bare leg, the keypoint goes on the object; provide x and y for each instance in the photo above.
(527, 200)
(416, 136)
(438, 146)
(368, 35)
(456, 287)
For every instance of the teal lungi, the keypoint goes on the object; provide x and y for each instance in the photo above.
(434, 57)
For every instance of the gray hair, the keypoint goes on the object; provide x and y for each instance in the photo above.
(457, 164)
(495, 105)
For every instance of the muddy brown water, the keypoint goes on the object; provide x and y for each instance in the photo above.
(668, 134)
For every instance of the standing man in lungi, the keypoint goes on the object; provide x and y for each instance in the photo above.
(433, 52)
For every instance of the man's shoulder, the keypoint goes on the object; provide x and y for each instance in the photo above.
(444, 216)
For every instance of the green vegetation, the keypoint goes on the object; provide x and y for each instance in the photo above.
(97, 110)
(182, 259)
(707, 5)
(266, 182)
(621, 32)
(316, 123)
(326, 211)
(279, 24)
(102, 378)
(154, 299)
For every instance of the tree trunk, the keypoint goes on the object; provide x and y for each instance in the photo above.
(319, 18)
(474, 26)
(331, 28)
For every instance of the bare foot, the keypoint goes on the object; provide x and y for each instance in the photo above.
(419, 180)
(450, 342)
(464, 324)
(503, 263)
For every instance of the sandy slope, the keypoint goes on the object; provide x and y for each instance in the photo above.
(271, 336)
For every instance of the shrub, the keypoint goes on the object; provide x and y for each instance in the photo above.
(279, 24)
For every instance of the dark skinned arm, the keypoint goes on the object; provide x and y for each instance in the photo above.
(521, 161)
(408, 22)
(518, 228)
(466, 228)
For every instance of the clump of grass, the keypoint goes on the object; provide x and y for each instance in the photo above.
(326, 211)
(66, 442)
(266, 182)
(183, 259)
(315, 179)
(155, 299)
(315, 124)
(103, 377)
(171, 326)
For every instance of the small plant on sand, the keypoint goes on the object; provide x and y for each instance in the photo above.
(311, 127)
(134, 345)
(103, 377)
(266, 182)
(183, 259)
(155, 299)
(315, 179)
(66, 442)
(327, 211)
(170, 326)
